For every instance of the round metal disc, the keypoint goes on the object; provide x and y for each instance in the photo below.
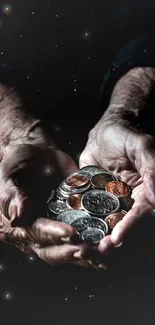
(67, 191)
(92, 236)
(85, 223)
(93, 170)
(60, 195)
(69, 216)
(76, 181)
(114, 218)
(57, 206)
(100, 180)
(118, 188)
(51, 196)
(100, 203)
(74, 201)
(126, 203)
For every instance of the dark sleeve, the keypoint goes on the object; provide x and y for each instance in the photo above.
(140, 52)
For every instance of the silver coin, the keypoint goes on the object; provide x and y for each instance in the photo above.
(61, 195)
(85, 223)
(92, 170)
(51, 196)
(57, 206)
(85, 173)
(92, 236)
(69, 216)
(100, 203)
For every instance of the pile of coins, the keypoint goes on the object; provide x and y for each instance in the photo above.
(92, 201)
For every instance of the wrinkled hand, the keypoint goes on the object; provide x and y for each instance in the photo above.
(50, 240)
(131, 155)
(54, 242)
(28, 174)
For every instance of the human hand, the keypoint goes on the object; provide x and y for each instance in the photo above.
(54, 242)
(28, 174)
(127, 153)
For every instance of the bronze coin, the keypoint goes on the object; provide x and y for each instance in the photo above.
(114, 218)
(118, 188)
(76, 181)
(100, 180)
(74, 201)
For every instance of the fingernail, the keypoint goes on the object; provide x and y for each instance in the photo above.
(105, 249)
(115, 238)
(13, 212)
(102, 266)
(78, 255)
(13, 217)
(118, 245)
(66, 239)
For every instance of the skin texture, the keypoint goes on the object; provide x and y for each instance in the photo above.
(118, 146)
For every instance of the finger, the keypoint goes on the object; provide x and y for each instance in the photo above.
(55, 255)
(146, 167)
(124, 226)
(87, 158)
(66, 163)
(105, 246)
(47, 232)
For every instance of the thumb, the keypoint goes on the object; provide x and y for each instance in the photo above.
(147, 169)
(87, 158)
(66, 163)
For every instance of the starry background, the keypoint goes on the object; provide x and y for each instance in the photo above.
(56, 53)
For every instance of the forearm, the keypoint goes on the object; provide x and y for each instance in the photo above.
(17, 126)
(130, 96)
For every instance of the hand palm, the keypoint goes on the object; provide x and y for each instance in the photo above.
(130, 155)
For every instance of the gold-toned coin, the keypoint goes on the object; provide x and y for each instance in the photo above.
(100, 180)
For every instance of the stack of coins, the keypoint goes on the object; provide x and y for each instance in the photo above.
(92, 201)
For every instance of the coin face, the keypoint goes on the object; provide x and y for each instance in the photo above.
(69, 216)
(92, 170)
(85, 223)
(99, 202)
(118, 188)
(74, 201)
(100, 180)
(57, 206)
(92, 236)
(76, 180)
(126, 203)
(114, 218)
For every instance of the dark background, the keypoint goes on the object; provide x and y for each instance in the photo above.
(56, 53)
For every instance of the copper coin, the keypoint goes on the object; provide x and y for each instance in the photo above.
(74, 201)
(114, 218)
(100, 180)
(76, 180)
(118, 188)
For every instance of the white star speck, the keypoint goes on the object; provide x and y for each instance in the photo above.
(7, 295)
(2, 267)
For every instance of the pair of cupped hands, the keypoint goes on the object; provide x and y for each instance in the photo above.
(116, 147)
